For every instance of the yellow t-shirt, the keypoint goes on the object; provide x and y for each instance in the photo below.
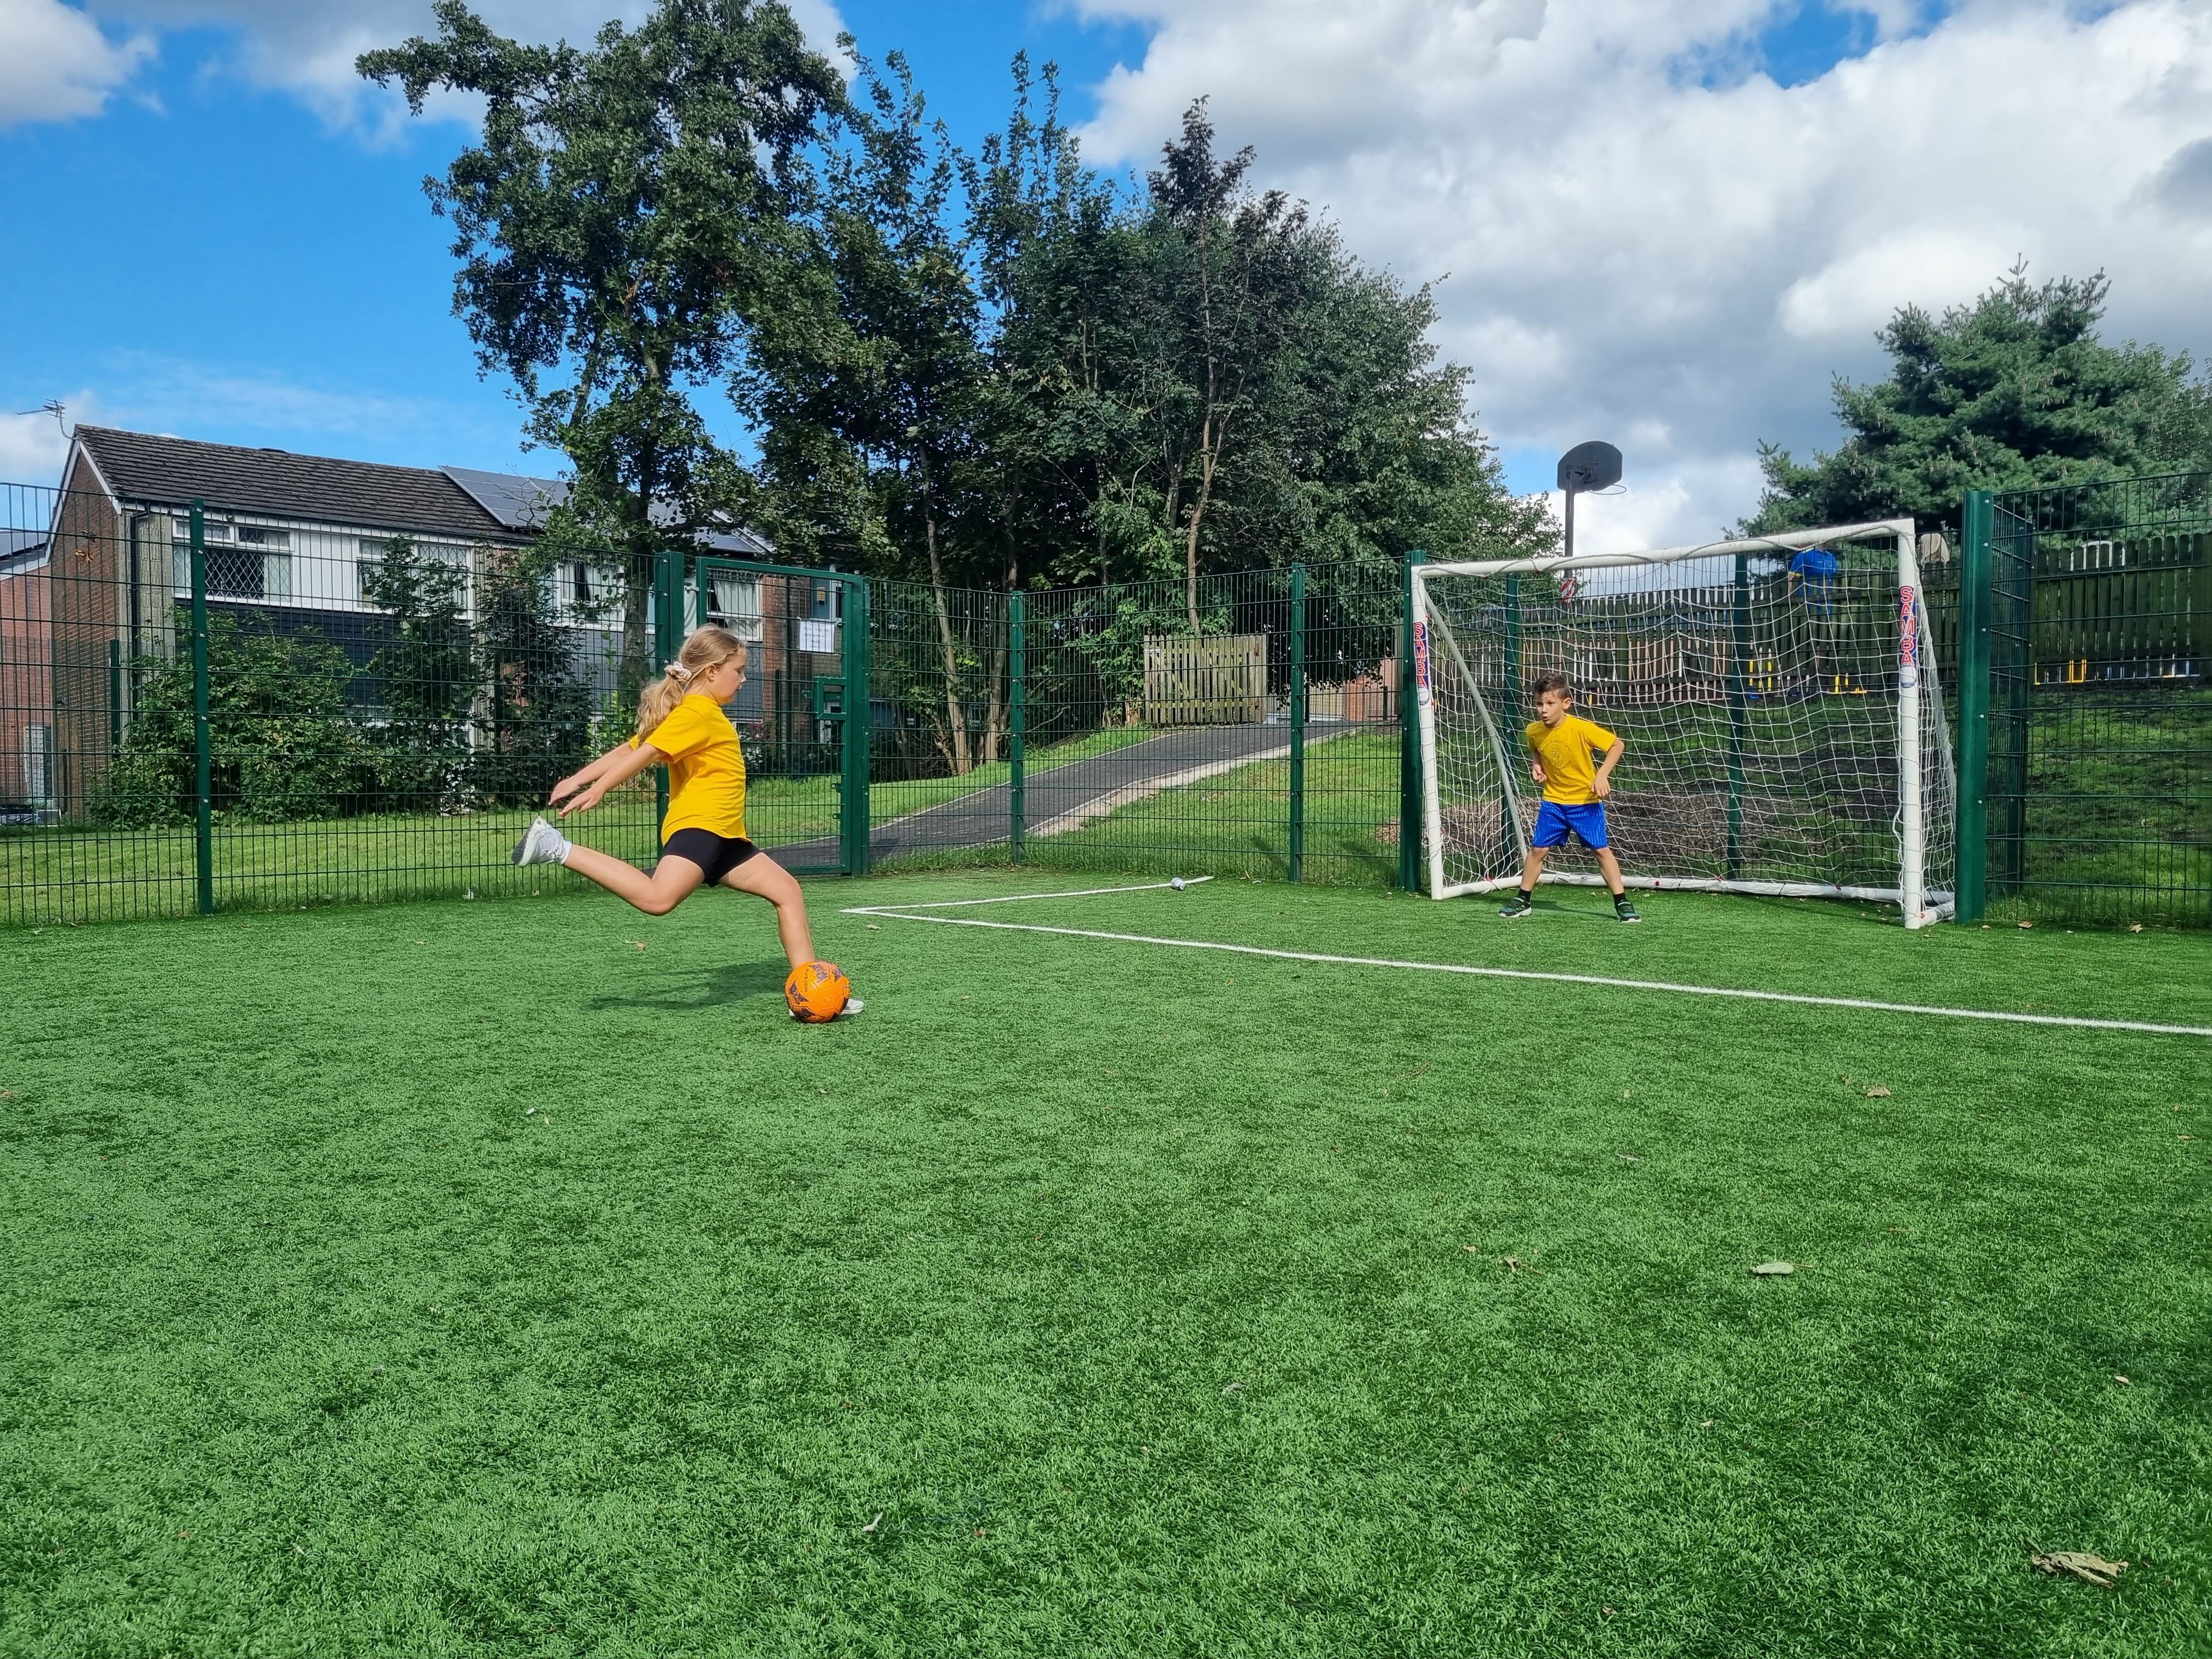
(706, 769)
(1565, 752)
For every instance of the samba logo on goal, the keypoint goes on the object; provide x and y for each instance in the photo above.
(1421, 656)
(1908, 640)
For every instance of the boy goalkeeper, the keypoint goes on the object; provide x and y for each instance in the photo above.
(1574, 760)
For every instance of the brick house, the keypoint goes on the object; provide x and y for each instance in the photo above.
(27, 687)
(288, 538)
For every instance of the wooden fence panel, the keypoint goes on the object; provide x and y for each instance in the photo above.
(1206, 681)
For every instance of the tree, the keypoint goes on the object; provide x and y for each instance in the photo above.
(885, 366)
(633, 210)
(424, 674)
(2013, 390)
(283, 740)
(1229, 277)
(537, 724)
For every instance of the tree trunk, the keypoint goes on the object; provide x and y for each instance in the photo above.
(962, 761)
(996, 717)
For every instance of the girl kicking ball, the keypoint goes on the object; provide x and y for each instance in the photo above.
(681, 724)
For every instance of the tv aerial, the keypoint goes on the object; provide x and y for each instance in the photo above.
(1593, 465)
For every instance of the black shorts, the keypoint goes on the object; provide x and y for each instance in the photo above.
(716, 854)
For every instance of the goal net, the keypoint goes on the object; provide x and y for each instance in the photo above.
(1778, 697)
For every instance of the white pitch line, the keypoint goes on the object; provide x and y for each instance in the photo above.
(902, 913)
(1016, 898)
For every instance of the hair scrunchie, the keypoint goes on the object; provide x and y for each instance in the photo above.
(679, 673)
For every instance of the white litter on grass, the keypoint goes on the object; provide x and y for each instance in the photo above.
(908, 913)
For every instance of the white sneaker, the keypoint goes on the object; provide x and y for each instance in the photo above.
(853, 1005)
(541, 844)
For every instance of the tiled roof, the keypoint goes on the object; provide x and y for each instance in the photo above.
(172, 471)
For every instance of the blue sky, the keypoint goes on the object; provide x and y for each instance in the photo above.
(216, 253)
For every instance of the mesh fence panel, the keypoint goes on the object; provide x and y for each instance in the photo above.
(1159, 724)
(381, 713)
(2100, 769)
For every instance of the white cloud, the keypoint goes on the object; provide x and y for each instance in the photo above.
(308, 48)
(34, 444)
(56, 64)
(1645, 247)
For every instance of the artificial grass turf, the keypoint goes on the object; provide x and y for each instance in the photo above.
(1084, 1298)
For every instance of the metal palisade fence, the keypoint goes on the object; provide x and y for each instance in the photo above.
(212, 711)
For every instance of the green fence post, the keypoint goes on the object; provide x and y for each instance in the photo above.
(1972, 885)
(1017, 720)
(203, 746)
(668, 642)
(1739, 712)
(1298, 721)
(856, 819)
(1409, 738)
(114, 696)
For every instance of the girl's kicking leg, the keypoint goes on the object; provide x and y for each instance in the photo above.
(764, 877)
(672, 881)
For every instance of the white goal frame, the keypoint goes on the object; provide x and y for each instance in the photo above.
(1916, 659)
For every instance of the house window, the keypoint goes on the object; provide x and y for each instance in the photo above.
(371, 551)
(275, 553)
(735, 603)
(236, 568)
(37, 745)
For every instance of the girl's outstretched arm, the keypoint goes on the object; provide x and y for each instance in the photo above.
(588, 773)
(617, 766)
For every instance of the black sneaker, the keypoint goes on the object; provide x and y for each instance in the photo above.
(1624, 911)
(1518, 907)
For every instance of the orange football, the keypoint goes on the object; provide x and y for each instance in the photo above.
(817, 991)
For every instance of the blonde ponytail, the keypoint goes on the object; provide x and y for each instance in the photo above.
(703, 650)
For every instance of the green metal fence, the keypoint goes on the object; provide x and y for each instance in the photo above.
(2085, 722)
(205, 712)
(211, 711)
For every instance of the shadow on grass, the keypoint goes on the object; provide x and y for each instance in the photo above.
(715, 988)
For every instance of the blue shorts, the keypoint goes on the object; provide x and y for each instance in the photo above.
(1554, 820)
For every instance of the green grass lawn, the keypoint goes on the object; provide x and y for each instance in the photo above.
(1084, 1298)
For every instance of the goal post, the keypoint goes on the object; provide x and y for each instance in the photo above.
(1777, 696)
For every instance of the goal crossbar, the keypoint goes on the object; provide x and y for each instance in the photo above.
(1478, 755)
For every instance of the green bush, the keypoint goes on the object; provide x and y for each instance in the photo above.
(284, 743)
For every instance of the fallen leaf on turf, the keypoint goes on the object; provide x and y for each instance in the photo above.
(2025, 926)
(1470, 1249)
(2117, 1377)
(1512, 1262)
(2188, 1137)
(873, 928)
(1877, 1092)
(1707, 1424)
(2089, 1569)
(1774, 1269)
(2134, 927)
(1628, 1158)
(1232, 1388)
(1409, 1076)
(874, 1524)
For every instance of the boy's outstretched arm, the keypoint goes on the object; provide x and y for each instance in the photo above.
(1601, 785)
